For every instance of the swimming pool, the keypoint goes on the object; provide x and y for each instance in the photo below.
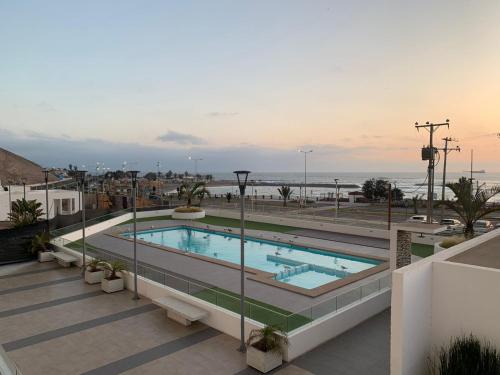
(295, 265)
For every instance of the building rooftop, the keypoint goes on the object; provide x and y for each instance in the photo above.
(486, 254)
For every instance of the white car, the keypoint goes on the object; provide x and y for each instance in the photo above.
(483, 226)
(452, 225)
(419, 219)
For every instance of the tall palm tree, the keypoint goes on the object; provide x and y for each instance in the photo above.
(25, 212)
(469, 205)
(189, 191)
(286, 192)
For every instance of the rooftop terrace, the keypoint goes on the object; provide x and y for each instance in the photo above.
(51, 322)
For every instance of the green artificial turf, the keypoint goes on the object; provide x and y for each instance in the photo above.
(256, 310)
(422, 250)
(226, 222)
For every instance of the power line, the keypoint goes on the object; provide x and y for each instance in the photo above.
(428, 153)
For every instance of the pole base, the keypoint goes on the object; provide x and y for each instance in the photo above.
(136, 297)
(242, 349)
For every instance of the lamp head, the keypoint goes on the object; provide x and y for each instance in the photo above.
(133, 176)
(242, 177)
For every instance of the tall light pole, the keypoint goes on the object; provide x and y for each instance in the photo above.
(305, 152)
(23, 180)
(196, 160)
(80, 175)
(133, 176)
(242, 177)
(337, 197)
(46, 176)
(10, 199)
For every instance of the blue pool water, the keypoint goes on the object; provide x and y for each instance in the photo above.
(304, 267)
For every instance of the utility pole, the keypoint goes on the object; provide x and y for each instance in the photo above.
(429, 153)
(446, 151)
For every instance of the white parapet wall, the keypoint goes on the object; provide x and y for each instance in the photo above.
(325, 328)
(99, 227)
(434, 300)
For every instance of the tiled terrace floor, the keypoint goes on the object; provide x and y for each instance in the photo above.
(51, 322)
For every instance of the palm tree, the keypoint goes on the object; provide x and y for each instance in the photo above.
(25, 212)
(189, 191)
(469, 205)
(286, 192)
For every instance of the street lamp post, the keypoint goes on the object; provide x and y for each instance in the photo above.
(305, 152)
(133, 175)
(337, 197)
(389, 204)
(242, 177)
(80, 174)
(10, 200)
(46, 175)
(196, 160)
(24, 188)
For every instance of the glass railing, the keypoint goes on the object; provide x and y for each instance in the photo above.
(256, 310)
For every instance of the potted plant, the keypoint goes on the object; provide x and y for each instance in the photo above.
(94, 272)
(112, 282)
(265, 348)
(41, 244)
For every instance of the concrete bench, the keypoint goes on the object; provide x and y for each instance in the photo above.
(180, 311)
(64, 259)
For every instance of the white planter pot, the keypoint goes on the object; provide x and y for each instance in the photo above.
(45, 256)
(188, 215)
(263, 361)
(111, 286)
(94, 277)
(438, 248)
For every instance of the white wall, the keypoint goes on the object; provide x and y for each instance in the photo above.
(321, 330)
(466, 299)
(96, 228)
(38, 195)
(427, 303)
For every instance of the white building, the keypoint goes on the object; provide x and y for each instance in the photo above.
(61, 202)
(449, 294)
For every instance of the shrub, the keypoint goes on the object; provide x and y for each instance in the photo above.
(188, 209)
(452, 241)
(466, 355)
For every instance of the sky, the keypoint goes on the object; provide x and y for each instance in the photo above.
(244, 84)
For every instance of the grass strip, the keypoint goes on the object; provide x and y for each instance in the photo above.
(256, 310)
(422, 250)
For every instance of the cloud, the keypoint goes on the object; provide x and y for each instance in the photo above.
(60, 151)
(222, 114)
(181, 138)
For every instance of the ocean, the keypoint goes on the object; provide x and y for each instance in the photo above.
(410, 183)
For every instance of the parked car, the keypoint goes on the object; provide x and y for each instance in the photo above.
(483, 226)
(419, 219)
(453, 226)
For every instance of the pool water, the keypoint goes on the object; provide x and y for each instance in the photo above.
(300, 266)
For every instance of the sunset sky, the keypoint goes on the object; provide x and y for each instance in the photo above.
(244, 84)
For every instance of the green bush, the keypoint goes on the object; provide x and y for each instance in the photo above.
(466, 355)
(452, 241)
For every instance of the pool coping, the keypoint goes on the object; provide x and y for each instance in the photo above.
(263, 276)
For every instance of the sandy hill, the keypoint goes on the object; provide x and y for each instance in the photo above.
(14, 167)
